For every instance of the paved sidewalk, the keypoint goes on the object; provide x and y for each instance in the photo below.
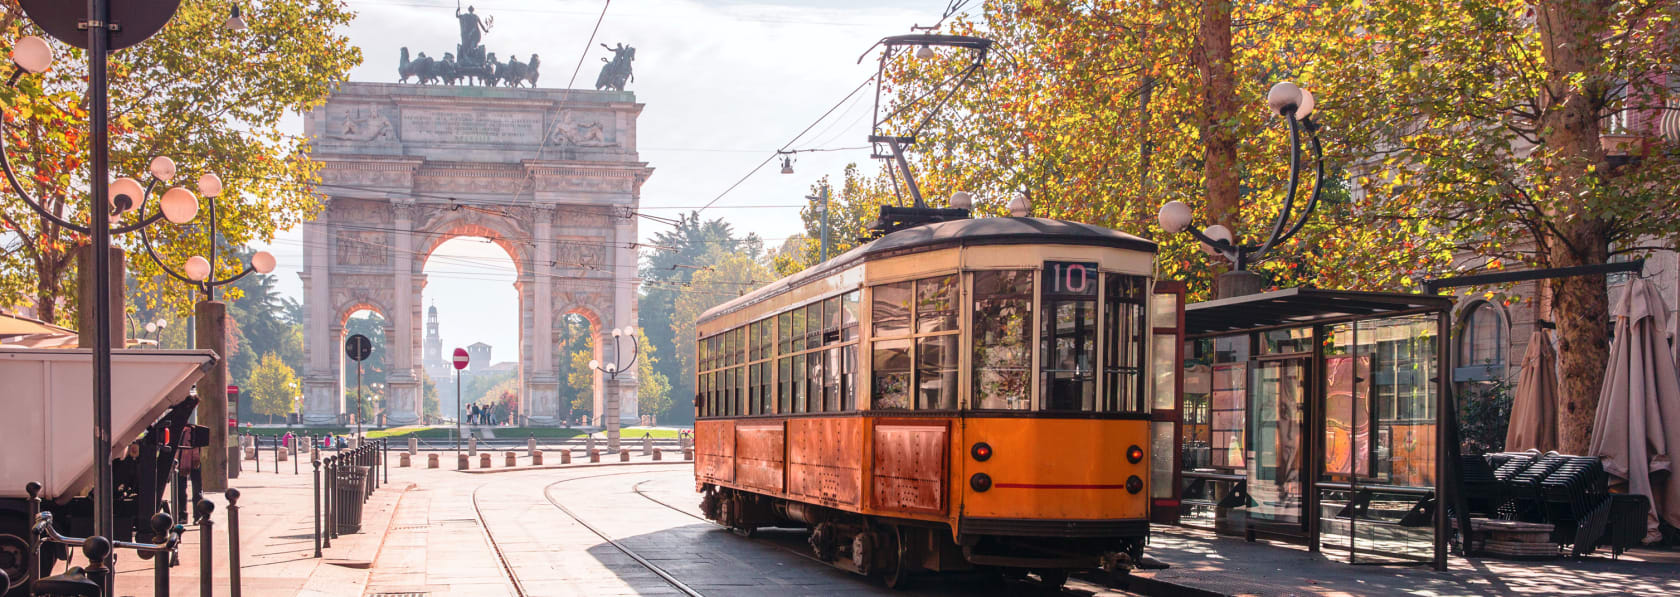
(276, 528)
(1224, 565)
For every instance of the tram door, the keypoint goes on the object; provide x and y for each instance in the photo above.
(1167, 355)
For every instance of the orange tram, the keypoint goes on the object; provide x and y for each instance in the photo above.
(965, 394)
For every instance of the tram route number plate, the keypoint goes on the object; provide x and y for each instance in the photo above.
(1070, 278)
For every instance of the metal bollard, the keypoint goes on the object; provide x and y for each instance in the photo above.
(472, 446)
(484, 460)
(206, 551)
(536, 458)
(33, 561)
(162, 524)
(656, 454)
(317, 517)
(531, 445)
(233, 541)
(99, 556)
(413, 445)
(384, 458)
(330, 484)
(294, 450)
(511, 460)
(624, 455)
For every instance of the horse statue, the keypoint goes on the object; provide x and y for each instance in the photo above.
(445, 70)
(617, 72)
(531, 70)
(407, 68)
(491, 71)
(512, 73)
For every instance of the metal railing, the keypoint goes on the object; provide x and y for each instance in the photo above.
(343, 482)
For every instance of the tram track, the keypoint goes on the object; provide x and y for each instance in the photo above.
(513, 577)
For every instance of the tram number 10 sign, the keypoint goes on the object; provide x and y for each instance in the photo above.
(1070, 278)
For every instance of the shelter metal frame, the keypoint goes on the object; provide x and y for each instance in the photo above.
(1316, 309)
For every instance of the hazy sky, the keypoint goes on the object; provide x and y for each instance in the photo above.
(725, 83)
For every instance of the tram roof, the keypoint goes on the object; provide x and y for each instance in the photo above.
(951, 233)
(1296, 307)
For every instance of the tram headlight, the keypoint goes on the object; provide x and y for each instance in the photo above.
(981, 451)
(983, 482)
(1134, 454)
(1134, 484)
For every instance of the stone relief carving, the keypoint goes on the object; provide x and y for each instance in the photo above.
(364, 125)
(583, 253)
(587, 131)
(361, 247)
(344, 297)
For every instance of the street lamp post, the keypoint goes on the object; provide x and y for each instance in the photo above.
(613, 370)
(95, 27)
(824, 210)
(1295, 105)
(210, 315)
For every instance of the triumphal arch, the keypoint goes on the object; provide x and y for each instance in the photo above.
(550, 175)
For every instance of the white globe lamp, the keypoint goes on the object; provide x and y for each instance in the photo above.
(198, 268)
(1174, 217)
(179, 205)
(263, 262)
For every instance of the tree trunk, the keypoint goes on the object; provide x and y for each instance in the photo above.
(1219, 111)
(1570, 139)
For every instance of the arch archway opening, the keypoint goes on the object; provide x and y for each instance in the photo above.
(471, 300)
(362, 389)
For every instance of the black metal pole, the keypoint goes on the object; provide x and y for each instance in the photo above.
(233, 541)
(317, 517)
(99, 36)
(206, 545)
(359, 403)
(34, 559)
(457, 413)
(331, 484)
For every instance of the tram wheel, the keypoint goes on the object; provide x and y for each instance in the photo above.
(1053, 578)
(897, 576)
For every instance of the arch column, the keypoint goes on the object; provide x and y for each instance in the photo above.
(542, 383)
(321, 405)
(402, 385)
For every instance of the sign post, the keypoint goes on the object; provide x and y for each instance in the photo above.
(358, 347)
(460, 360)
(233, 407)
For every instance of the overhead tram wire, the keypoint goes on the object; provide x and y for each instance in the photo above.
(795, 139)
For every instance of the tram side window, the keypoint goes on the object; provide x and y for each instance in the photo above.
(1003, 323)
(1123, 342)
(936, 355)
(1069, 338)
(892, 374)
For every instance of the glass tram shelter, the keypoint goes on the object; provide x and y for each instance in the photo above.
(1315, 417)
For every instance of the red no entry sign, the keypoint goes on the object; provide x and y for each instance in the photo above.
(461, 358)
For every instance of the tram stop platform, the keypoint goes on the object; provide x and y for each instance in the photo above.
(1207, 564)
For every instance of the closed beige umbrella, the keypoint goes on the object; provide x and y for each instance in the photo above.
(1637, 427)
(1534, 406)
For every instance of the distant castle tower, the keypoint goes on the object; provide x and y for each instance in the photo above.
(432, 354)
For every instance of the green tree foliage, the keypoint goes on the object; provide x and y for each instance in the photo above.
(581, 380)
(727, 276)
(272, 387)
(212, 99)
(429, 398)
(653, 389)
(668, 273)
(1526, 133)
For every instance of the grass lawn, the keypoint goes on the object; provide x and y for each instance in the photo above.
(638, 432)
